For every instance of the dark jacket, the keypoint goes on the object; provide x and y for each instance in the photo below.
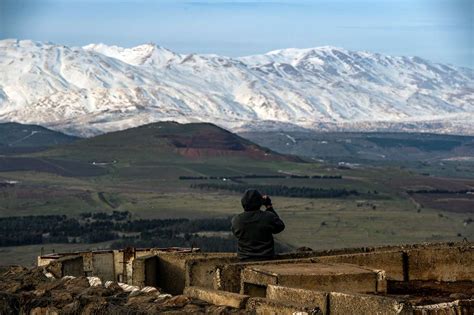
(254, 228)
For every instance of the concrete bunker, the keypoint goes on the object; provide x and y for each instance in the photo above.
(411, 279)
(313, 276)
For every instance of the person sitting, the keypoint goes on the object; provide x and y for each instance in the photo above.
(254, 228)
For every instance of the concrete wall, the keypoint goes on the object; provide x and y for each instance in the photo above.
(338, 303)
(103, 266)
(67, 266)
(270, 307)
(455, 308)
(73, 266)
(306, 297)
(400, 263)
(228, 276)
(151, 271)
(118, 265)
(441, 264)
(88, 264)
(201, 272)
(313, 276)
(361, 304)
(145, 271)
(217, 297)
(173, 271)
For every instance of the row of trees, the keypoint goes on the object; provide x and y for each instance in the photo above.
(115, 215)
(99, 227)
(28, 230)
(280, 190)
(253, 176)
(440, 191)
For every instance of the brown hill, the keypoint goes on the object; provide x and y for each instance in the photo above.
(174, 140)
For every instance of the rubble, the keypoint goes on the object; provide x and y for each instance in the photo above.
(428, 279)
(30, 291)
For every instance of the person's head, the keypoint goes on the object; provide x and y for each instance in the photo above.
(252, 200)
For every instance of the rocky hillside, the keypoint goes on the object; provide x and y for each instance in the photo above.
(170, 140)
(37, 291)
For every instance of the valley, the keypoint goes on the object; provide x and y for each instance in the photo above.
(150, 172)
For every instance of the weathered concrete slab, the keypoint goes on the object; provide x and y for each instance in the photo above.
(262, 306)
(67, 266)
(313, 276)
(389, 261)
(145, 271)
(118, 265)
(227, 277)
(452, 308)
(217, 297)
(173, 272)
(201, 272)
(103, 265)
(361, 304)
(305, 297)
(72, 266)
(441, 264)
(88, 266)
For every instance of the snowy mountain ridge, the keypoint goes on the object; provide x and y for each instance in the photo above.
(99, 88)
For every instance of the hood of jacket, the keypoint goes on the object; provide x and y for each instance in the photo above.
(252, 200)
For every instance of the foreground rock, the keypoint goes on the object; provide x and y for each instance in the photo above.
(36, 292)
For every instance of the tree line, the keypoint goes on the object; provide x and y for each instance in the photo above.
(440, 191)
(101, 227)
(253, 176)
(280, 190)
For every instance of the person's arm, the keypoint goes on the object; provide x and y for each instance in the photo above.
(234, 227)
(277, 224)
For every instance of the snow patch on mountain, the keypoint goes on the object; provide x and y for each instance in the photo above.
(99, 88)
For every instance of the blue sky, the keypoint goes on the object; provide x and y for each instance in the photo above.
(439, 30)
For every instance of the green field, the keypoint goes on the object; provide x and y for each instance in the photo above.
(141, 175)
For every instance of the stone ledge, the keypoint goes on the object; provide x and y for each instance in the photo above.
(455, 307)
(389, 261)
(265, 306)
(361, 304)
(303, 296)
(314, 276)
(217, 297)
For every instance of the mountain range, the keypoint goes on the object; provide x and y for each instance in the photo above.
(97, 88)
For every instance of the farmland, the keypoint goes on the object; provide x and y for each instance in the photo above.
(142, 173)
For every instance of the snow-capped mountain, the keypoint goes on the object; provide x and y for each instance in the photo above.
(99, 88)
